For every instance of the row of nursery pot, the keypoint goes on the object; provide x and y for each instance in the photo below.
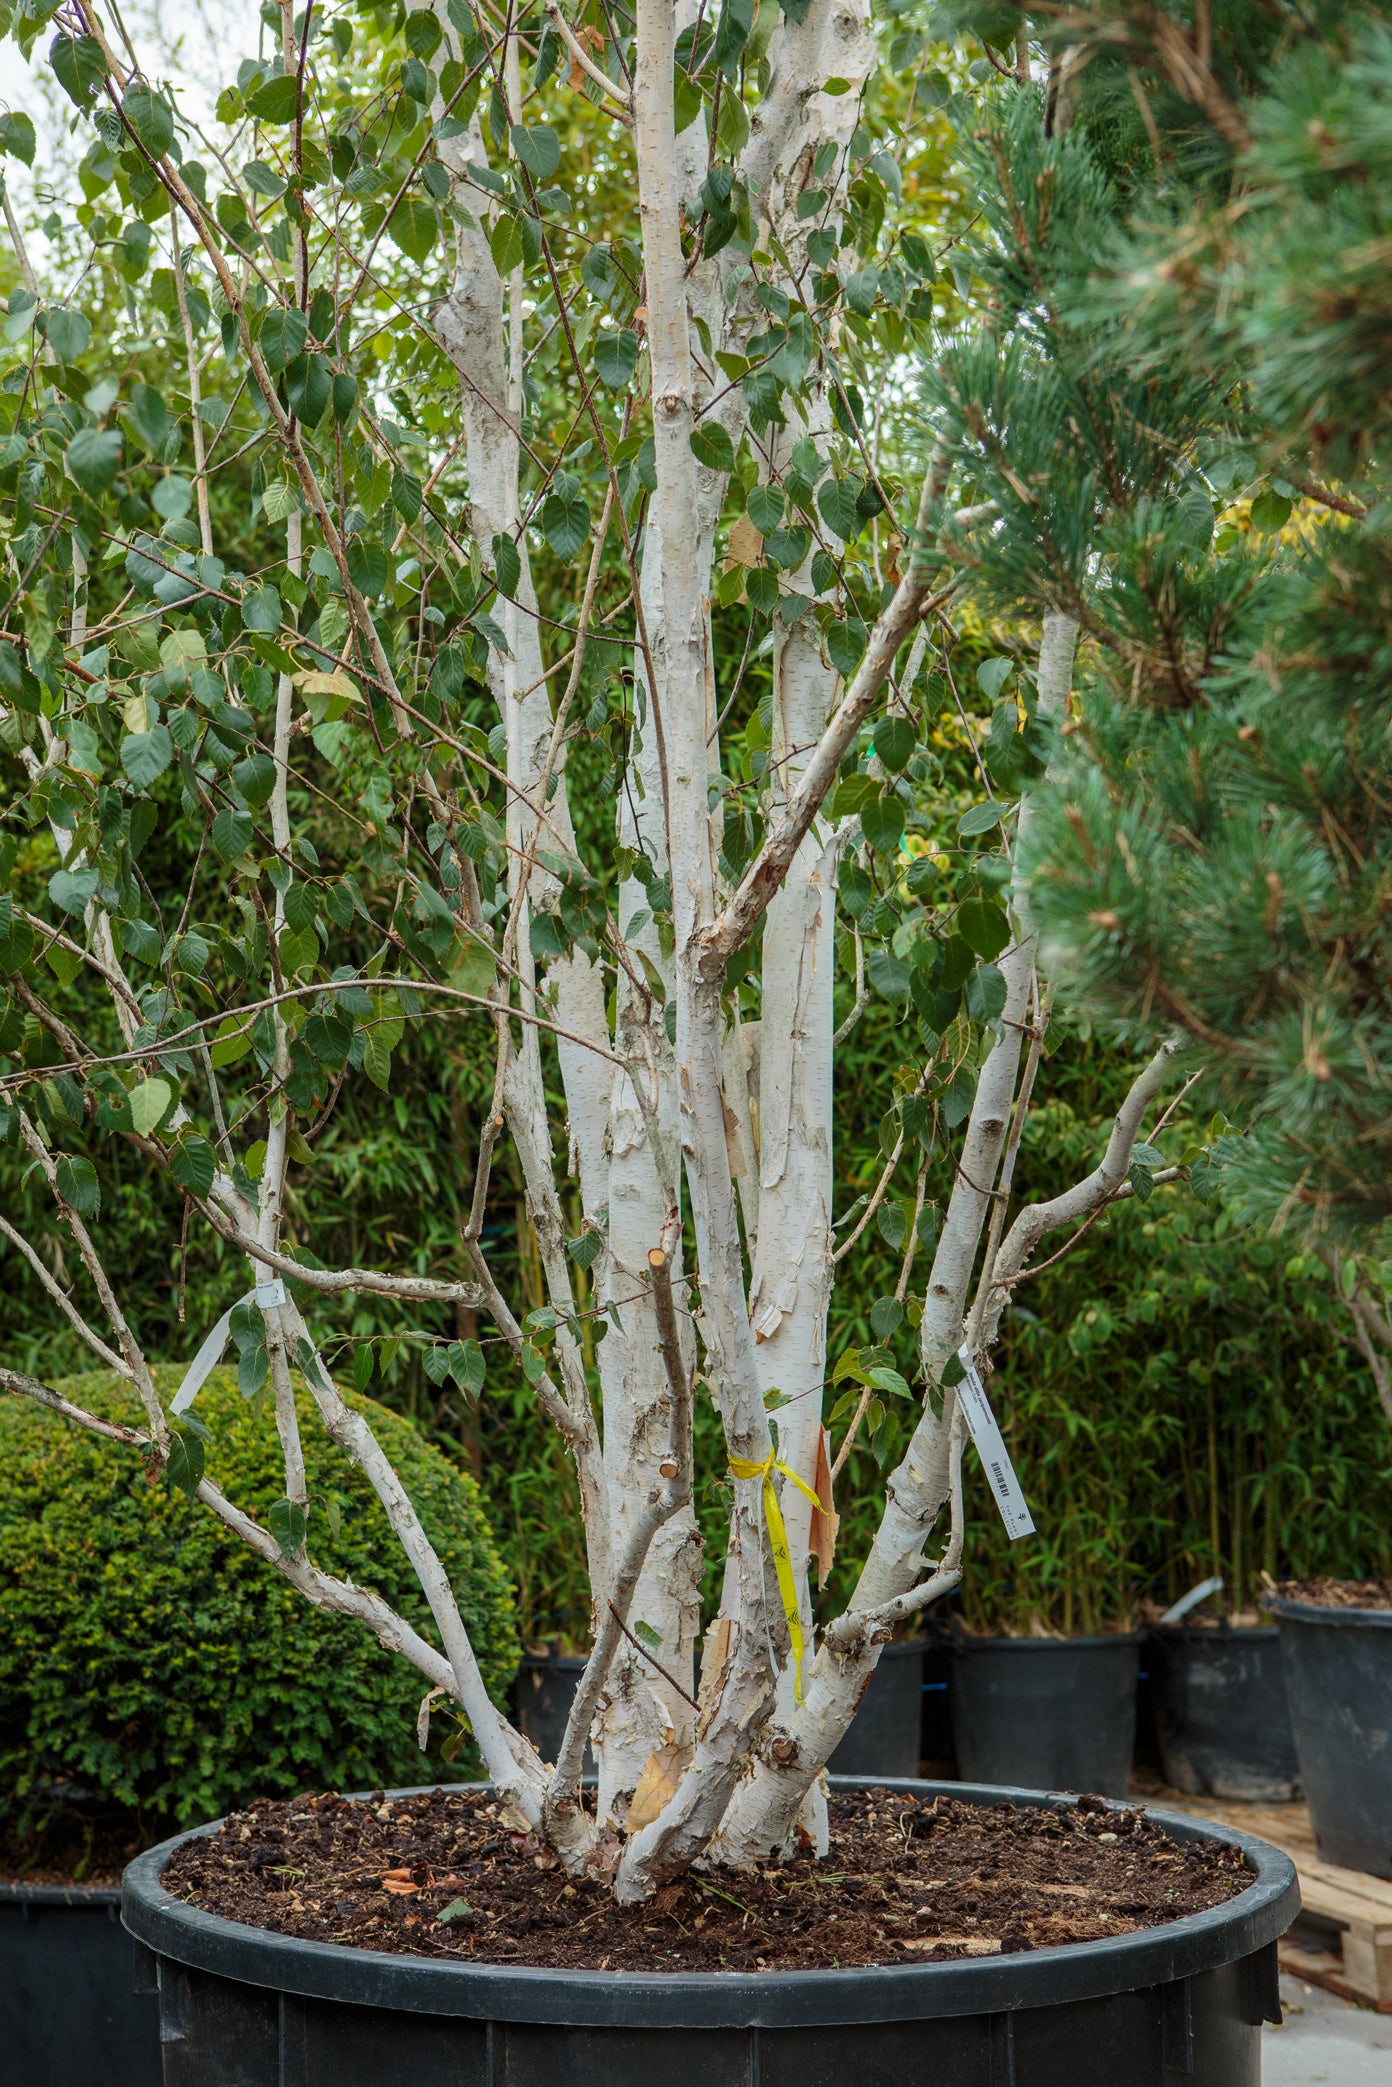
(1255, 1714)
(213, 1993)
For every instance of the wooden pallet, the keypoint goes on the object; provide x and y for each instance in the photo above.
(1344, 1938)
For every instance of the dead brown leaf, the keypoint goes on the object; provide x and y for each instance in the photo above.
(593, 40)
(825, 1520)
(745, 545)
(657, 1784)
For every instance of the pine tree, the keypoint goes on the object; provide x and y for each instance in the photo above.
(1179, 413)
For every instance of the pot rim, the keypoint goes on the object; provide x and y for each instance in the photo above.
(731, 1999)
(77, 1895)
(967, 1643)
(1280, 1605)
(1213, 1633)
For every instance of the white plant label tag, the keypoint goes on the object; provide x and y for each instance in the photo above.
(204, 1363)
(990, 1447)
(268, 1292)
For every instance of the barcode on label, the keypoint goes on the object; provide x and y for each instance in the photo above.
(995, 1457)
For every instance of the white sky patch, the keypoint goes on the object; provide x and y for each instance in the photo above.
(194, 46)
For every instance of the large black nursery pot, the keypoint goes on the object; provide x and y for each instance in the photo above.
(69, 2011)
(1339, 1684)
(545, 1689)
(240, 2007)
(1046, 1713)
(884, 1738)
(1221, 1713)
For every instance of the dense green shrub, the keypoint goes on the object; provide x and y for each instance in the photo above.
(148, 1656)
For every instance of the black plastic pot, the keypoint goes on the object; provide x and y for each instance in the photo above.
(936, 1751)
(240, 2007)
(1221, 1714)
(1339, 1684)
(546, 1685)
(68, 2009)
(884, 1739)
(1046, 1713)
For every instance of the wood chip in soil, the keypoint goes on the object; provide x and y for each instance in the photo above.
(1338, 1594)
(907, 1880)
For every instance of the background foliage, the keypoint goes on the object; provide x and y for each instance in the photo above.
(148, 1658)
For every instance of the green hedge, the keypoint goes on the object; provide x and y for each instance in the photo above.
(149, 1657)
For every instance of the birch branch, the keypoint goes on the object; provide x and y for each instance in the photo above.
(764, 875)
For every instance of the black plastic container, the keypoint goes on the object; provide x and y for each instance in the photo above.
(1046, 1713)
(936, 1752)
(240, 2007)
(1339, 1684)
(545, 1686)
(1221, 1715)
(69, 2013)
(884, 1739)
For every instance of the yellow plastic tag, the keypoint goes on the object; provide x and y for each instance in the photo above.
(745, 1467)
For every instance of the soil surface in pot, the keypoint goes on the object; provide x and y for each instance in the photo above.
(1339, 1594)
(908, 1880)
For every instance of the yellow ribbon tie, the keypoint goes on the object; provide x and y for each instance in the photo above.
(745, 1467)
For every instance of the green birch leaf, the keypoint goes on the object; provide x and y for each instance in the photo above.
(507, 566)
(506, 242)
(193, 1164)
(78, 66)
(17, 138)
(276, 100)
(983, 924)
(985, 994)
(282, 338)
(288, 1522)
(414, 227)
(565, 517)
(146, 755)
(93, 458)
(895, 740)
(232, 831)
(538, 148)
(981, 818)
(78, 1185)
(882, 821)
(616, 358)
(765, 508)
(150, 118)
(149, 1103)
(712, 447)
(253, 1367)
(69, 333)
(185, 1465)
(836, 503)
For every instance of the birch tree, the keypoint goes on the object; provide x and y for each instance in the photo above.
(377, 286)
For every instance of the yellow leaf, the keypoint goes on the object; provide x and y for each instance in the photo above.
(314, 683)
(136, 713)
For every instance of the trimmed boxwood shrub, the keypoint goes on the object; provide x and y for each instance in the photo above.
(148, 1657)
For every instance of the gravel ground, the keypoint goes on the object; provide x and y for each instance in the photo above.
(1326, 2042)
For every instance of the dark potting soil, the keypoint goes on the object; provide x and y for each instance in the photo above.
(1339, 1594)
(907, 1881)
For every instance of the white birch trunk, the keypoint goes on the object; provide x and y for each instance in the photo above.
(768, 1805)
